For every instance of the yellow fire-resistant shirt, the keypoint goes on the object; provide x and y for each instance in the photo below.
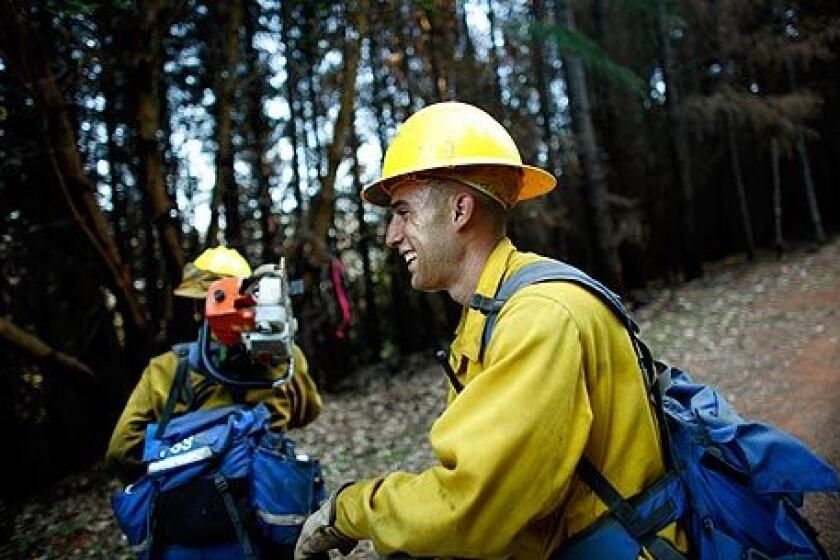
(559, 378)
(293, 404)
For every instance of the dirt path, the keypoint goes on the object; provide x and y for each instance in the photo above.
(767, 333)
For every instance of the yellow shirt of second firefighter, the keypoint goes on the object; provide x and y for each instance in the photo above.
(558, 378)
(291, 405)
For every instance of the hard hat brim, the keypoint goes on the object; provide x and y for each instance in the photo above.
(195, 282)
(535, 181)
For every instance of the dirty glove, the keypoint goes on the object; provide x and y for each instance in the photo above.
(319, 533)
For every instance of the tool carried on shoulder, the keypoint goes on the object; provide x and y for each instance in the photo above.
(255, 312)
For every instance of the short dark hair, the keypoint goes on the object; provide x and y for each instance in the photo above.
(495, 213)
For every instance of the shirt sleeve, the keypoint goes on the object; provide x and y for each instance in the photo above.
(507, 447)
(125, 449)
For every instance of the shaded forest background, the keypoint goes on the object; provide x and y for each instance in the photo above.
(135, 134)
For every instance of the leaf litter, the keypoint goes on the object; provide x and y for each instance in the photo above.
(757, 330)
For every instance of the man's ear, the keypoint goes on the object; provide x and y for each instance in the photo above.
(463, 206)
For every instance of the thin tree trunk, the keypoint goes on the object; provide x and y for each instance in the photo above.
(378, 91)
(434, 45)
(777, 197)
(225, 190)
(370, 316)
(22, 50)
(805, 165)
(494, 63)
(323, 207)
(679, 147)
(406, 34)
(115, 155)
(310, 45)
(735, 161)
(538, 63)
(291, 97)
(259, 132)
(152, 26)
(593, 166)
(810, 190)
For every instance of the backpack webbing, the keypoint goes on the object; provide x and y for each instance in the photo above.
(181, 388)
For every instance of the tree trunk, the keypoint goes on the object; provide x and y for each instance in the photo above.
(323, 207)
(810, 190)
(593, 166)
(735, 161)
(378, 91)
(679, 148)
(494, 64)
(436, 42)
(39, 349)
(225, 190)
(152, 26)
(777, 198)
(538, 63)
(259, 134)
(310, 51)
(22, 51)
(370, 316)
(115, 155)
(291, 86)
(805, 165)
(405, 34)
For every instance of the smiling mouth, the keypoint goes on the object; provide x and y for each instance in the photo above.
(410, 257)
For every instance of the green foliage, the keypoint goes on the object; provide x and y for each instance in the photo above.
(593, 55)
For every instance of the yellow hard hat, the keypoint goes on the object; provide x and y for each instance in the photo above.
(455, 139)
(212, 264)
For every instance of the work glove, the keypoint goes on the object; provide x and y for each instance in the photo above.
(320, 535)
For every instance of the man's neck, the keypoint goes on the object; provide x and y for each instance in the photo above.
(475, 257)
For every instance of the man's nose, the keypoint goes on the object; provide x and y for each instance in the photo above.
(393, 235)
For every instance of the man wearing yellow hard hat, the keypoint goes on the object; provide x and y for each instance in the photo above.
(557, 380)
(292, 404)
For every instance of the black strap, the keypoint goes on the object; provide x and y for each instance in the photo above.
(178, 385)
(443, 358)
(202, 392)
(235, 518)
(641, 528)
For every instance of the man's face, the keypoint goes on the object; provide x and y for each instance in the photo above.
(423, 235)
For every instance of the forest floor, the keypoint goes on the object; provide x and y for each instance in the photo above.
(766, 332)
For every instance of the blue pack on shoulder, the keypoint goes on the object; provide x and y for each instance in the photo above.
(219, 485)
(733, 484)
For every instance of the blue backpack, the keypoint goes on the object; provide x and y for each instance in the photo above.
(733, 484)
(219, 485)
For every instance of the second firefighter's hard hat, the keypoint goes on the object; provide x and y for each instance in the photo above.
(451, 139)
(212, 264)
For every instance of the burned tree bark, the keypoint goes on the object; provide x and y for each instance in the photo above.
(323, 206)
(225, 190)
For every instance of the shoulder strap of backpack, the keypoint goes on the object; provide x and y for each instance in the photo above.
(547, 271)
(179, 386)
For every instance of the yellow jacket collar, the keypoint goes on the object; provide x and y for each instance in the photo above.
(470, 328)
